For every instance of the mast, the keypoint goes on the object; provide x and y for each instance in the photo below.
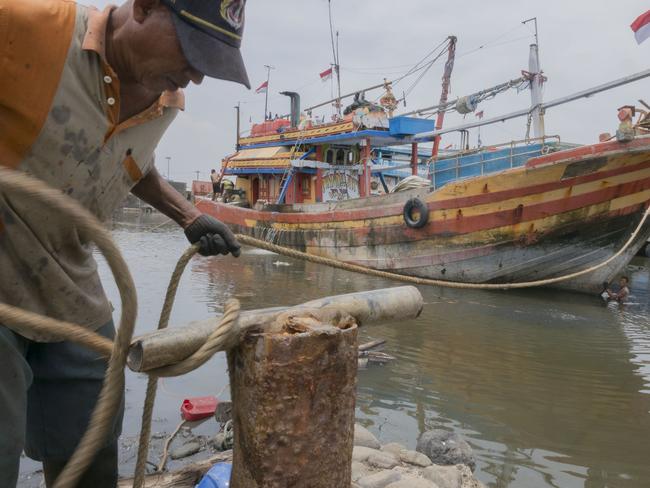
(266, 95)
(338, 75)
(424, 136)
(238, 110)
(446, 82)
(536, 85)
(335, 54)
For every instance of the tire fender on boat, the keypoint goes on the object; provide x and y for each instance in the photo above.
(422, 212)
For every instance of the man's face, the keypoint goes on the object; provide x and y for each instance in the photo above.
(157, 60)
(622, 282)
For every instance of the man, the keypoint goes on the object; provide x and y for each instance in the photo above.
(623, 290)
(85, 96)
(214, 177)
(227, 188)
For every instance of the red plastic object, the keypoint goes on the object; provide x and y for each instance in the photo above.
(198, 408)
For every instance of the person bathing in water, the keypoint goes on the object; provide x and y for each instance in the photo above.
(622, 293)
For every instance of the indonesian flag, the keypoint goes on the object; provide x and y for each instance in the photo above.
(326, 75)
(641, 27)
(263, 87)
(479, 114)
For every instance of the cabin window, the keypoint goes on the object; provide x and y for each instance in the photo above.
(329, 156)
(350, 157)
(340, 156)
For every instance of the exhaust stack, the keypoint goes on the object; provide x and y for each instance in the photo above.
(295, 107)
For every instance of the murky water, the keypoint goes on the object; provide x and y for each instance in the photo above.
(549, 388)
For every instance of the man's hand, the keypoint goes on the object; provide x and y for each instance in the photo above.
(214, 237)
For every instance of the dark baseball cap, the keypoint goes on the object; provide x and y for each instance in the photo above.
(210, 34)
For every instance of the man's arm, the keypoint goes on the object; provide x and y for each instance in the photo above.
(158, 193)
(214, 236)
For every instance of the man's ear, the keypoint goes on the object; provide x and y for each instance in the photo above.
(143, 8)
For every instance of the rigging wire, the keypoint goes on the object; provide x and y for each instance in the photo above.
(415, 83)
(489, 43)
(417, 66)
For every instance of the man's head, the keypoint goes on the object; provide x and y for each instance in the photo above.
(173, 42)
(624, 281)
(213, 171)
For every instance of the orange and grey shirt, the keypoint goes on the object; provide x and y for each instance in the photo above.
(59, 121)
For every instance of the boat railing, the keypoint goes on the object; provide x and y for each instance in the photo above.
(490, 159)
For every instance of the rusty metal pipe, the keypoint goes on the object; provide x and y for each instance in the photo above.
(172, 345)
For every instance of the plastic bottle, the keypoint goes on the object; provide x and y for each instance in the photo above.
(217, 477)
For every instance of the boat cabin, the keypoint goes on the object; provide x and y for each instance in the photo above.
(296, 160)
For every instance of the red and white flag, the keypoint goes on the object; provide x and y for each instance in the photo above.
(641, 27)
(326, 75)
(263, 87)
(479, 114)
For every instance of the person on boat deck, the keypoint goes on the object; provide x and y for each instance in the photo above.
(623, 290)
(85, 96)
(214, 177)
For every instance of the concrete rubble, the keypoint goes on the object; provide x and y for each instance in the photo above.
(394, 466)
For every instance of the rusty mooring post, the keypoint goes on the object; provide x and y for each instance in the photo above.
(293, 393)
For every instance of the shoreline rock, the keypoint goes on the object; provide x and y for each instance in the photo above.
(446, 448)
(394, 466)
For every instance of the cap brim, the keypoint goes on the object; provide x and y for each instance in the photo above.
(210, 56)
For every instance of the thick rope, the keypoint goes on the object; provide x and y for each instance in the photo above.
(20, 320)
(111, 394)
(226, 334)
(221, 339)
(355, 268)
(152, 382)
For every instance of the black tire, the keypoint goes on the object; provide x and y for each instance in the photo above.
(423, 213)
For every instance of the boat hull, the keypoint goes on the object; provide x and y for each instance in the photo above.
(561, 213)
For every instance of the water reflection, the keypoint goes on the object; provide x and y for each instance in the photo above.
(550, 388)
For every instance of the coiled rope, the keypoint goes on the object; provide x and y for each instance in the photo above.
(225, 335)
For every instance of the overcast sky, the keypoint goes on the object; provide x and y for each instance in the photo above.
(583, 43)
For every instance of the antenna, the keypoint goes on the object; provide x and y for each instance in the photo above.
(536, 82)
(533, 19)
(266, 97)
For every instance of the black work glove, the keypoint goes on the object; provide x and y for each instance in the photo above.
(214, 237)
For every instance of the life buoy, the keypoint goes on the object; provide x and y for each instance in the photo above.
(422, 212)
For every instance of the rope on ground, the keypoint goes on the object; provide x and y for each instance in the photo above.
(355, 268)
(165, 454)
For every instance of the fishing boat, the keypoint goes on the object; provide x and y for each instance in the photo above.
(515, 212)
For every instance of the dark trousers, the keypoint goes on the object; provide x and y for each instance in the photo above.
(47, 394)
